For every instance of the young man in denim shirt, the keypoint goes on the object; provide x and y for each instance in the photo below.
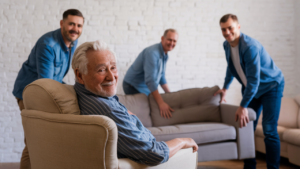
(262, 85)
(148, 71)
(50, 58)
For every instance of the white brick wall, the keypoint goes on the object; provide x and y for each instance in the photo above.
(297, 43)
(131, 25)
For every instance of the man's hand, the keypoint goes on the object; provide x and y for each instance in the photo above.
(241, 115)
(180, 143)
(189, 142)
(165, 110)
(223, 93)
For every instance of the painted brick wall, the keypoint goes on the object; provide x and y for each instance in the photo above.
(297, 43)
(129, 26)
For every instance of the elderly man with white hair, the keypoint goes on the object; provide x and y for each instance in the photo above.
(96, 72)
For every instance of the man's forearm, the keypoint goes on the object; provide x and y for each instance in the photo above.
(180, 143)
(157, 97)
(166, 88)
(175, 145)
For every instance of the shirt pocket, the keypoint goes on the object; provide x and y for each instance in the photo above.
(57, 67)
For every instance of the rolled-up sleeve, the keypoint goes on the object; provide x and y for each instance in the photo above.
(151, 67)
(163, 79)
(45, 61)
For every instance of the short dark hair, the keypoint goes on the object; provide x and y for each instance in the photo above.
(227, 16)
(74, 12)
(169, 30)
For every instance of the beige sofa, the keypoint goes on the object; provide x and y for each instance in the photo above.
(58, 137)
(288, 130)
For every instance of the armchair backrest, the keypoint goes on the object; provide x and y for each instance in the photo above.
(50, 96)
(58, 137)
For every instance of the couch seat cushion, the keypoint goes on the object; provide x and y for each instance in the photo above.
(292, 136)
(204, 132)
(259, 131)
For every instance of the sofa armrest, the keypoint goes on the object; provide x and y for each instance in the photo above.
(184, 158)
(70, 141)
(245, 135)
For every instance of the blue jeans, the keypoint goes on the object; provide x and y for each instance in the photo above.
(128, 89)
(270, 103)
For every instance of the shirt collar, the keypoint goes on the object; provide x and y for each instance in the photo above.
(164, 55)
(64, 46)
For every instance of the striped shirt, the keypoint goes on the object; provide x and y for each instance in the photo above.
(134, 140)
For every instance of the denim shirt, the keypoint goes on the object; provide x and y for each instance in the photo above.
(148, 70)
(134, 140)
(261, 72)
(49, 58)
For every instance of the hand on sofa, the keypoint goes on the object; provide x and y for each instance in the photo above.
(165, 110)
(241, 115)
(223, 94)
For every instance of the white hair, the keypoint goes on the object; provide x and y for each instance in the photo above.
(79, 59)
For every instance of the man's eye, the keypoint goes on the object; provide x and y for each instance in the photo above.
(101, 70)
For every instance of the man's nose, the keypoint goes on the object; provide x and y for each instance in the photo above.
(227, 32)
(109, 75)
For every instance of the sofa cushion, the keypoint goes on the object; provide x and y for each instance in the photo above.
(190, 105)
(59, 98)
(297, 99)
(288, 113)
(201, 132)
(292, 136)
(259, 131)
(138, 104)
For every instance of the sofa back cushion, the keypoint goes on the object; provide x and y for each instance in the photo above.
(138, 105)
(190, 105)
(50, 96)
(288, 113)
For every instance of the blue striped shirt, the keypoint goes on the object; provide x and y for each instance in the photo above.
(134, 140)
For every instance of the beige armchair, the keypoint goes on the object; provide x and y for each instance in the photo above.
(58, 137)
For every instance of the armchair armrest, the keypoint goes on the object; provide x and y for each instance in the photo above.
(184, 158)
(70, 141)
(245, 135)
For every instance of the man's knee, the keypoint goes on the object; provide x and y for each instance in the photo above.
(270, 130)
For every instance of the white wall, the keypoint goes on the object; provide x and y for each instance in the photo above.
(297, 43)
(129, 26)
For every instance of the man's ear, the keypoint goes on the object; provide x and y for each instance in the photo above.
(79, 76)
(61, 23)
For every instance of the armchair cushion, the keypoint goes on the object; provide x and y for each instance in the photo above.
(201, 132)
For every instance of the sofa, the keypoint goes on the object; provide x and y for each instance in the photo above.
(58, 137)
(288, 130)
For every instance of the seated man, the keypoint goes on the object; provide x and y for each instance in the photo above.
(95, 68)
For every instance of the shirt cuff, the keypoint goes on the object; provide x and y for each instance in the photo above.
(152, 86)
(166, 152)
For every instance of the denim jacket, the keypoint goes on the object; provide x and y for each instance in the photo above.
(49, 58)
(260, 70)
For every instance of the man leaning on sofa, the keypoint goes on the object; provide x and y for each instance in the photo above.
(96, 72)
